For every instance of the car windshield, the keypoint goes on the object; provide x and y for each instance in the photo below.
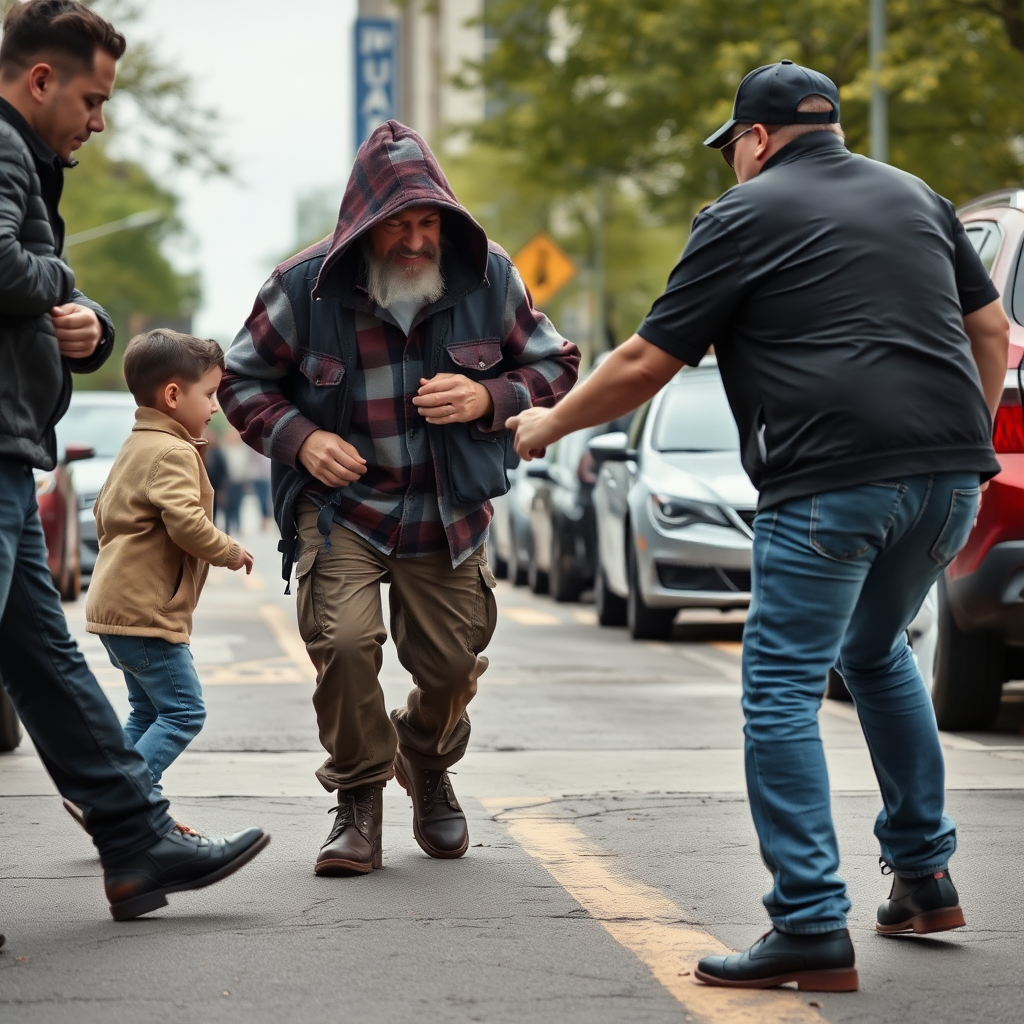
(101, 425)
(695, 417)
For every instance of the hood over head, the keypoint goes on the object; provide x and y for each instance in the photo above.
(395, 169)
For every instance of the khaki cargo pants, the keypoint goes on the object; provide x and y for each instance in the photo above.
(441, 619)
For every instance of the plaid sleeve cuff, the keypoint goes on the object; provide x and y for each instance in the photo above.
(290, 438)
(506, 403)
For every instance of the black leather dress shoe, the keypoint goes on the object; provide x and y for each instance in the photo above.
(353, 846)
(180, 861)
(922, 905)
(438, 822)
(817, 963)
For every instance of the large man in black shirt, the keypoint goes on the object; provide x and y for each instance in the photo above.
(863, 349)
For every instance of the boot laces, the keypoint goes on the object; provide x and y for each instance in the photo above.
(439, 786)
(344, 815)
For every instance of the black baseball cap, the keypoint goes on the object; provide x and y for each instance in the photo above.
(770, 95)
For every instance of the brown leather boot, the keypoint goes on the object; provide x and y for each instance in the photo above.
(354, 844)
(438, 822)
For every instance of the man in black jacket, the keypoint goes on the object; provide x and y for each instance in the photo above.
(57, 68)
(863, 349)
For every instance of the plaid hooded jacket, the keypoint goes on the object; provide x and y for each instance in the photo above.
(317, 353)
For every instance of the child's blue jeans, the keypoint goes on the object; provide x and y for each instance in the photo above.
(165, 695)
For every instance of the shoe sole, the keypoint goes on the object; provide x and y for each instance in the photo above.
(943, 920)
(127, 910)
(838, 980)
(338, 867)
(430, 851)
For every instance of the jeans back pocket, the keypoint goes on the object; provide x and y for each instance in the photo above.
(963, 507)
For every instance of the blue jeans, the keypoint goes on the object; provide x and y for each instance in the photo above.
(837, 578)
(74, 728)
(165, 695)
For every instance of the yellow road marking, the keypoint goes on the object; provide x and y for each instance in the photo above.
(286, 633)
(531, 617)
(730, 647)
(641, 919)
(585, 617)
(265, 671)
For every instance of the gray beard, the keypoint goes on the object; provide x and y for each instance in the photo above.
(388, 284)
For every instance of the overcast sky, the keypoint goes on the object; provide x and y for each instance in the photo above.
(280, 75)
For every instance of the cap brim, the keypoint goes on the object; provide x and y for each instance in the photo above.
(721, 137)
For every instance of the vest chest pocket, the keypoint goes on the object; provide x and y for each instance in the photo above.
(321, 370)
(475, 358)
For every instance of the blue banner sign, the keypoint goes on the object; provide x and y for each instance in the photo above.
(376, 66)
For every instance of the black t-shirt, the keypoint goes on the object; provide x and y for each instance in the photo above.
(833, 289)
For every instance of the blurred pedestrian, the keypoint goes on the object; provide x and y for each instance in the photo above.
(154, 523)
(863, 350)
(216, 470)
(377, 370)
(236, 463)
(58, 61)
(259, 480)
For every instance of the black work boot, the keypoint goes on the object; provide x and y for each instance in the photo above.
(354, 844)
(438, 822)
(817, 963)
(922, 905)
(180, 861)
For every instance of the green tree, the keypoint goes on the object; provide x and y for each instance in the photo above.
(127, 271)
(597, 86)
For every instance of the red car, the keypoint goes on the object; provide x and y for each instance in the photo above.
(58, 511)
(981, 599)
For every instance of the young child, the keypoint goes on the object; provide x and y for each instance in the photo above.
(154, 521)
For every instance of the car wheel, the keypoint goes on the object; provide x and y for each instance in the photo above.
(536, 578)
(10, 727)
(644, 623)
(516, 567)
(611, 609)
(499, 567)
(970, 669)
(563, 583)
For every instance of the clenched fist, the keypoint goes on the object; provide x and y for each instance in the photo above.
(78, 330)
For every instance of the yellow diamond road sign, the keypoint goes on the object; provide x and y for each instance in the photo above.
(543, 267)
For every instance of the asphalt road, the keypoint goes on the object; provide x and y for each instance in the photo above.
(610, 846)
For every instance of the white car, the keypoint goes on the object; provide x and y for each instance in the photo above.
(102, 420)
(673, 508)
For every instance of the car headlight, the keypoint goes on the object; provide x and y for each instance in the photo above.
(675, 512)
(46, 483)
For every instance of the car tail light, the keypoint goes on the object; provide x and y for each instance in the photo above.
(587, 469)
(1008, 432)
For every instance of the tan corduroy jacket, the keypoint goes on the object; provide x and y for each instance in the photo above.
(154, 521)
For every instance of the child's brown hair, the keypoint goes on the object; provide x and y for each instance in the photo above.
(158, 357)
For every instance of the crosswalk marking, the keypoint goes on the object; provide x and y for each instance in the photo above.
(640, 918)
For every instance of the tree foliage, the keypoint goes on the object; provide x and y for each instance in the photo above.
(588, 87)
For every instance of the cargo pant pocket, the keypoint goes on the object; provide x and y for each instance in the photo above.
(308, 602)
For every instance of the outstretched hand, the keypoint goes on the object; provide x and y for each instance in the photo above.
(534, 432)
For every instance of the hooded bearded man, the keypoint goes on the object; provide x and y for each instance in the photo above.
(377, 370)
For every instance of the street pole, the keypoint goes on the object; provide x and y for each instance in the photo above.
(879, 104)
(600, 334)
(144, 219)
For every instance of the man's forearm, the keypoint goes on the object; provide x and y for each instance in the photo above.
(633, 373)
(989, 332)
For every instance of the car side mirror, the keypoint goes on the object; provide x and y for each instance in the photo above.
(613, 447)
(538, 470)
(78, 452)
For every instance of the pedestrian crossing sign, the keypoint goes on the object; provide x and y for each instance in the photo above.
(543, 267)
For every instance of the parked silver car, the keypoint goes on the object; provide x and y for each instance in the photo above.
(102, 420)
(674, 509)
(509, 541)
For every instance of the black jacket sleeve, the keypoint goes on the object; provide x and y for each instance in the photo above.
(106, 345)
(30, 283)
